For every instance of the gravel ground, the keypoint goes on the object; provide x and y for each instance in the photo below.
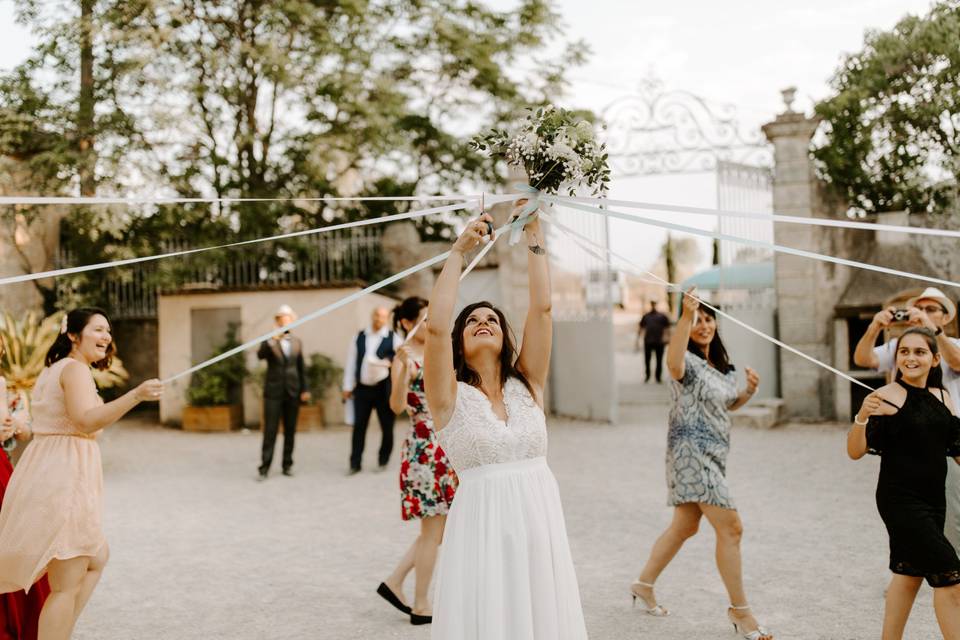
(201, 550)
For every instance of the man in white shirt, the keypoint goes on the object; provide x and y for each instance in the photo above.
(933, 310)
(366, 381)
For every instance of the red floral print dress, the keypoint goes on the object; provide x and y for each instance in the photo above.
(427, 482)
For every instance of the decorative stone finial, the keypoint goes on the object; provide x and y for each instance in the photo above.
(788, 96)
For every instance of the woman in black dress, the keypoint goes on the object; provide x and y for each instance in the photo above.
(912, 425)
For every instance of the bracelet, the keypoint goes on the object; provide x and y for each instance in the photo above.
(857, 422)
(537, 250)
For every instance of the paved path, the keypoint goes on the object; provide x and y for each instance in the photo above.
(200, 550)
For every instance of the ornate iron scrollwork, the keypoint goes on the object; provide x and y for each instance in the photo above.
(660, 131)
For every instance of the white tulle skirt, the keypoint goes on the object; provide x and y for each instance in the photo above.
(505, 570)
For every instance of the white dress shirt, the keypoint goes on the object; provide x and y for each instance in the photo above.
(373, 370)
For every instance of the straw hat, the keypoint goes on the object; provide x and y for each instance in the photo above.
(284, 310)
(932, 293)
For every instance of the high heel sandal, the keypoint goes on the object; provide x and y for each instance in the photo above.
(760, 633)
(657, 610)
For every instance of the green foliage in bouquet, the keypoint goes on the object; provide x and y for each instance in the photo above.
(556, 147)
(214, 385)
(27, 340)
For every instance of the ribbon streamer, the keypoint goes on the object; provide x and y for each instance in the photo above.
(775, 217)
(575, 236)
(323, 311)
(346, 225)
(532, 195)
(757, 243)
(90, 200)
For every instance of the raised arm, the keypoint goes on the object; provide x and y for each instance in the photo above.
(753, 381)
(399, 380)
(534, 360)
(83, 406)
(677, 347)
(439, 379)
(863, 355)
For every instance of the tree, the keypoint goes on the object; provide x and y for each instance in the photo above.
(892, 129)
(287, 99)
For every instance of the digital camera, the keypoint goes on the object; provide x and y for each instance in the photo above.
(901, 315)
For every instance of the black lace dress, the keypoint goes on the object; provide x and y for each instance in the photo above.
(914, 445)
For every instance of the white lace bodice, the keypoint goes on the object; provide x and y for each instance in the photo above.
(475, 436)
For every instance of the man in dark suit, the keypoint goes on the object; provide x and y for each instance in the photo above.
(284, 388)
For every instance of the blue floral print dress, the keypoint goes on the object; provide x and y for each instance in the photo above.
(698, 440)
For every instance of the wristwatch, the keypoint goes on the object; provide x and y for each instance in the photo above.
(938, 331)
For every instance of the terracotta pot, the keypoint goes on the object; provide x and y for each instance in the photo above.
(220, 418)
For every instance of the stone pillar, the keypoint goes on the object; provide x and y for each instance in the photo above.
(29, 242)
(803, 314)
(402, 249)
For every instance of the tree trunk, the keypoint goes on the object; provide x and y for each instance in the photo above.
(85, 111)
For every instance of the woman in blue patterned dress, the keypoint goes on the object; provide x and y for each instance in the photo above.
(704, 391)
(427, 482)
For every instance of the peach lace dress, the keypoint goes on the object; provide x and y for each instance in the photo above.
(53, 505)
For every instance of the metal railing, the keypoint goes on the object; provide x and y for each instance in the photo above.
(338, 257)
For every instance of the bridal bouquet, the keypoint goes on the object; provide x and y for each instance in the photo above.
(556, 149)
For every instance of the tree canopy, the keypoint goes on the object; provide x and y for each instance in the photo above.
(892, 127)
(268, 99)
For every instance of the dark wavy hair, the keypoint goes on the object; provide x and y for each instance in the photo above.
(409, 309)
(508, 354)
(716, 352)
(77, 321)
(935, 377)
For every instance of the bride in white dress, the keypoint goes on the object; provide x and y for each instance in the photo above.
(505, 570)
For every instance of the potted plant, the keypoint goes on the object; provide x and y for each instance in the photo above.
(213, 397)
(322, 373)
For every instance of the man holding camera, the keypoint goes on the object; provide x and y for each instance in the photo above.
(933, 310)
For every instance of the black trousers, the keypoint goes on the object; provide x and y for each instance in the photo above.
(651, 348)
(288, 408)
(365, 399)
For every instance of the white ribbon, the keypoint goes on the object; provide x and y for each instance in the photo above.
(775, 217)
(757, 243)
(52, 200)
(327, 309)
(335, 227)
(579, 239)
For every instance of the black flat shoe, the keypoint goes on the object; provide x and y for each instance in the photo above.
(384, 591)
(416, 618)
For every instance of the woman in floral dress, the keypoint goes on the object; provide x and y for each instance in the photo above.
(704, 392)
(427, 482)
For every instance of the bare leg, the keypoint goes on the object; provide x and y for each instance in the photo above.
(729, 529)
(686, 521)
(900, 596)
(431, 533)
(399, 575)
(59, 612)
(946, 602)
(90, 580)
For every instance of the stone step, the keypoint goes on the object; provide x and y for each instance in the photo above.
(765, 413)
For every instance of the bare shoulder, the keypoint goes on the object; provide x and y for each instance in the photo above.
(74, 372)
(893, 392)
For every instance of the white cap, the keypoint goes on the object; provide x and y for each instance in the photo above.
(932, 293)
(284, 310)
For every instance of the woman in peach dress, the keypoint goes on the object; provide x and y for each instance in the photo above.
(50, 520)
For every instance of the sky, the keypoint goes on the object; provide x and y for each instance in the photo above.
(733, 53)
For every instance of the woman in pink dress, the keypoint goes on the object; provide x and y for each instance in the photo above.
(50, 520)
(427, 481)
